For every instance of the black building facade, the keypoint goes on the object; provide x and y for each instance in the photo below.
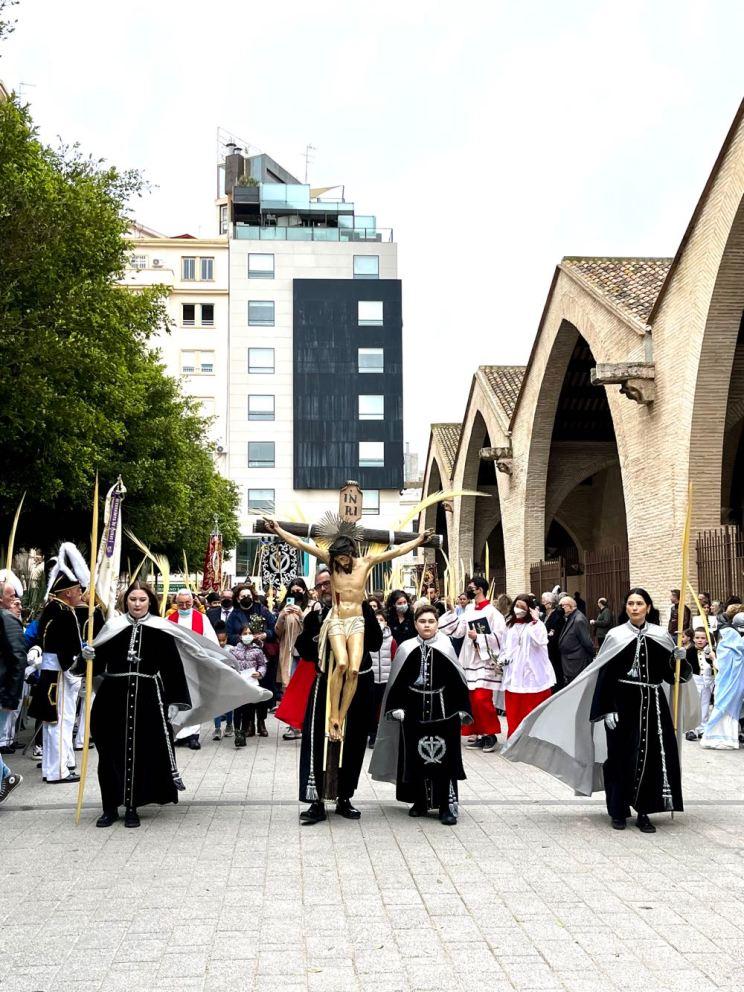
(331, 343)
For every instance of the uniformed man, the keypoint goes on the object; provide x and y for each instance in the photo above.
(62, 632)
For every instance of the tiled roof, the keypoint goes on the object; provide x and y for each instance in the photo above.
(632, 284)
(448, 438)
(505, 382)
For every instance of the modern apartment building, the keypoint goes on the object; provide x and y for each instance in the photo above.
(196, 348)
(287, 327)
(315, 369)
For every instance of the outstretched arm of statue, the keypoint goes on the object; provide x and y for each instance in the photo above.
(401, 549)
(296, 542)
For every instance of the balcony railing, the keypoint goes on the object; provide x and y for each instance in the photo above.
(252, 232)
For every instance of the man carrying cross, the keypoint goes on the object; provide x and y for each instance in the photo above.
(343, 628)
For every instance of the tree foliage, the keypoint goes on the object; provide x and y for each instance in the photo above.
(80, 387)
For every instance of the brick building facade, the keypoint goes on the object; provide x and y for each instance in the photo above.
(634, 388)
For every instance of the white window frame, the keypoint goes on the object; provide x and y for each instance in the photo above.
(202, 260)
(371, 508)
(200, 359)
(370, 351)
(270, 508)
(366, 275)
(372, 318)
(257, 463)
(362, 415)
(138, 261)
(368, 461)
(203, 320)
(262, 323)
(261, 273)
(262, 371)
(265, 419)
(184, 260)
(184, 321)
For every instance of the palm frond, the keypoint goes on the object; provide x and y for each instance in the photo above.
(437, 497)
(11, 539)
(161, 563)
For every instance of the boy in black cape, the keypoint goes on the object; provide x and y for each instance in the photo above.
(419, 738)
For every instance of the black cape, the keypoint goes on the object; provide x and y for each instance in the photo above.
(642, 768)
(358, 717)
(424, 752)
(129, 719)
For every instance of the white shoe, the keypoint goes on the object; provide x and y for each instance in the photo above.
(217, 735)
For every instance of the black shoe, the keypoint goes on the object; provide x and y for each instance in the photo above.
(371, 742)
(59, 781)
(345, 809)
(131, 819)
(618, 823)
(8, 749)
(107, 818)
(315, 813)
(194, 745)
(479, 742)
(262, 731)
(251, 731)
(418, 810)
(644, 824)
(239, 738)
(448, 818)
(692, 735)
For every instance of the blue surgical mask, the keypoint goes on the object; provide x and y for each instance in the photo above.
(402, 608)
(184, 613)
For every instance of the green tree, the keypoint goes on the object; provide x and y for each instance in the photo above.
(80, 386)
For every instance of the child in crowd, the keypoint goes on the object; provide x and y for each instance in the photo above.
(701, 658)
(251, 662)
(220, 629)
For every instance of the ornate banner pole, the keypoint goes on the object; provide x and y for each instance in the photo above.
(89, 640)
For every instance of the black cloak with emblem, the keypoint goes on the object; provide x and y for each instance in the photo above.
(637, 764)
(423, 754)
(146, 666)
(358, 717)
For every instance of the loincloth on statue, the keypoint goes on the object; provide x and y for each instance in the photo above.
(335, 626)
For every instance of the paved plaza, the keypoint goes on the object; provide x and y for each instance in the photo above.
(532, 889)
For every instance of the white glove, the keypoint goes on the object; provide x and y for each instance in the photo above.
(611, 721)
(680, 654)
(172, 712)
(34, 656)
(398, 715)
(88, 653)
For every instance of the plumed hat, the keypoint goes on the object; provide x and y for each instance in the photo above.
(68, 570)
(7, 575)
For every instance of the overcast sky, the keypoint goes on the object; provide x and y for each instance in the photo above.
(494, 137)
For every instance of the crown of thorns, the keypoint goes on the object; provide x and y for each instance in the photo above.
(332, 528)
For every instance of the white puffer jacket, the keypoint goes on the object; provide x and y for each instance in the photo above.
(383, 659)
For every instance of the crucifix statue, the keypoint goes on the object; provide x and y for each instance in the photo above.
(343, 628)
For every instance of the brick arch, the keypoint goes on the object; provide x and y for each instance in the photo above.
(436, 480)
(719, 396)
(570, 314)
(481, 428)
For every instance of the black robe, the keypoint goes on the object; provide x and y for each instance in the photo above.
(129, 719)
(358, 717)
(62, 631)
(432, 693)
(642, 767)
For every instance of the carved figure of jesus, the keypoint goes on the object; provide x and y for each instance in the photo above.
(349, 573)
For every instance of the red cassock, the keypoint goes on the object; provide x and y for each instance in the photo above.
(292, 708)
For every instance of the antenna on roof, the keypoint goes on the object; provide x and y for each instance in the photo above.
(308, 157)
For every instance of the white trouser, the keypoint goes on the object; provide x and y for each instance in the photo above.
(80, 735)
(705, 685)
(59, 754)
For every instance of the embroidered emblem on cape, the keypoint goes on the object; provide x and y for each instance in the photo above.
(432, 750)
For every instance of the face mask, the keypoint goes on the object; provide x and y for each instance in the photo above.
(519, 612)
(183, 613)
(226, 604)
(402, 608)
(245, 602)
(470, 594)
(247, 638)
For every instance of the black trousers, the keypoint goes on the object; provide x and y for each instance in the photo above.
(246, 716)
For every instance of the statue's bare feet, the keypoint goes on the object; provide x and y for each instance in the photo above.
(334, 729)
